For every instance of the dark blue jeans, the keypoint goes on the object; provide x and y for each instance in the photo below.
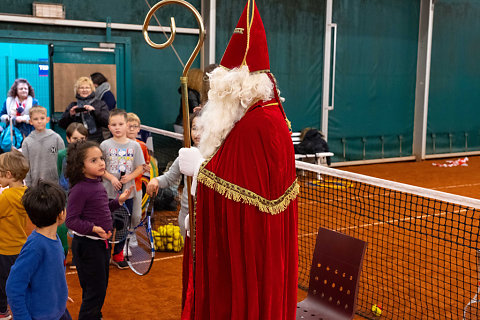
(92, 259)
(6, 262)
(66, 316)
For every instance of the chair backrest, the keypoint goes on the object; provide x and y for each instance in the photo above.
(335, 271)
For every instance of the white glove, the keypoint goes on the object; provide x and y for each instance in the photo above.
(4, 118)
(187, 225)
(190, 160)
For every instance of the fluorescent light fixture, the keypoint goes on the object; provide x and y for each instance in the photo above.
(99, 49)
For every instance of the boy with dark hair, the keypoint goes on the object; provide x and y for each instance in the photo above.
(41, 148)
(36, 287)
(123, 163)
(13, 218)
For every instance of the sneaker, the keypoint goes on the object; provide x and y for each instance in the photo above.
(133, 241)
(119, 261)
(5, 315)
(120, 264)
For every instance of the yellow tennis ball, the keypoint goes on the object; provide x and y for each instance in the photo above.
(377, 310)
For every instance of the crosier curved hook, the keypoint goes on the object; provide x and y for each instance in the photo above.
(173, 30)
(183, 82)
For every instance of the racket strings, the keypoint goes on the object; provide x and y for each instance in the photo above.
(140, 252)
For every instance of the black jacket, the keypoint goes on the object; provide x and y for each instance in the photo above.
(193, 101)
(100, 115)
(312, 143)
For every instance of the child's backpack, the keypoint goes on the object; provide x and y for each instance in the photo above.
(10, 137)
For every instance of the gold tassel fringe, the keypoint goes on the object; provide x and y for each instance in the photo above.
(238, 194)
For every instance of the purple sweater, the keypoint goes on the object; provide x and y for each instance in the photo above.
(88, 206)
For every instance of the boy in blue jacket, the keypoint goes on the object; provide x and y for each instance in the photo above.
(36, 286)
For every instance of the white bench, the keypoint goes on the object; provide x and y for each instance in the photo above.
(319, 157)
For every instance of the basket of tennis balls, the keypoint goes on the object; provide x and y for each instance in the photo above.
(168, 238)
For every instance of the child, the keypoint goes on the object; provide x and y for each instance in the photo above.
(89, 216)
(36, 287)
(124, 162)
(133, 126)
(41, 148)
(75, 132)
(13, 218)
(172, 176)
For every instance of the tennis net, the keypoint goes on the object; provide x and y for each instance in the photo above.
(421, 259)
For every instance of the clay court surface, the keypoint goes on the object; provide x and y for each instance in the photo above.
(158, 294)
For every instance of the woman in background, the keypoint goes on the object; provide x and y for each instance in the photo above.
(89, 111)
(20, 99)
(103, 90)
(195, 81)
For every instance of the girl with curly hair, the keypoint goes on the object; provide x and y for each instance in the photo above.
(89, 217)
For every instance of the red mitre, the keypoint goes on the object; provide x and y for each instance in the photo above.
(248, 45)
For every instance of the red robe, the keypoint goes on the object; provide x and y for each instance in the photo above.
(246, 222)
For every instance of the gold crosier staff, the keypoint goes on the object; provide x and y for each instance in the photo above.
(183, 82)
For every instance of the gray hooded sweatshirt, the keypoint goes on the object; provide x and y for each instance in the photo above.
(41, 151)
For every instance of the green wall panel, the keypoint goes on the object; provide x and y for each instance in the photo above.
(295, 42)
(455, 78)
(375, 78)
(121, 11)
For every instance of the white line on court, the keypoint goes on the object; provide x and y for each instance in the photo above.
(367, 225)
(458, 186)
(158, 259)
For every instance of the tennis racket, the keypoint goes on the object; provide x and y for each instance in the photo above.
(140, 248)
(121, 220)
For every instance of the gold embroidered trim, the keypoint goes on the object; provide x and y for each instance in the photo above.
(251, 72)
(238, 194)
(289, 125)
(249, 26)
(270, 104)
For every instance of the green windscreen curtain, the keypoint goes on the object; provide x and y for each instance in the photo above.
(454, 100)
(375, 79)
(156, 73)
(295, 41)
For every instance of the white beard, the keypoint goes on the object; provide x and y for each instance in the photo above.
(231, 94)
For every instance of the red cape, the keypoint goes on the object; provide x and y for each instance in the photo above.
(246, 223)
